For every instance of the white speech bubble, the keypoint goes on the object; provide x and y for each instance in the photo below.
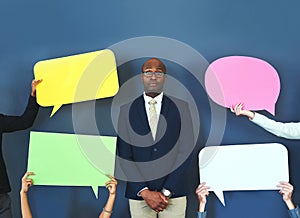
(243, 167)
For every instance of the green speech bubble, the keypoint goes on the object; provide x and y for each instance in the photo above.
(57, 159)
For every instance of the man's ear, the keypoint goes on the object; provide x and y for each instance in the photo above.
(165, 77)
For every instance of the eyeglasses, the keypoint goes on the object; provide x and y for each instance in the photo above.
(157, 74)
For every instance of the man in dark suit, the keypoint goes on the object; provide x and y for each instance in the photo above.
(10, 124)
(154, 147)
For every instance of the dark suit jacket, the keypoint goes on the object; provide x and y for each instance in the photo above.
(143, 162)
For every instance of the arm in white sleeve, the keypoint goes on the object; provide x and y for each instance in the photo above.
(285, 130)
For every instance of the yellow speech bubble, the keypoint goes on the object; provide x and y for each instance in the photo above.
(76, 78)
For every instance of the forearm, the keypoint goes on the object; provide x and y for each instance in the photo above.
(290, 204)
(25, 208)
(30, 112)
(285, 130)
(107, 210)
(201, 207)
(249, 114)
(126, 165)
(178, 177)
(14, 123)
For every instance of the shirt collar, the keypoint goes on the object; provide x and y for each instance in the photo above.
(157, 98)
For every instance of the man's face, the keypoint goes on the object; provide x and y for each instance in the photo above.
(153, 83)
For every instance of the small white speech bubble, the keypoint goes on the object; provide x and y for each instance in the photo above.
(243, 167)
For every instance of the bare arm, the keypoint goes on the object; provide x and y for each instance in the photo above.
(26, 183)
(286, 190)
(202, 192)
(112, 187)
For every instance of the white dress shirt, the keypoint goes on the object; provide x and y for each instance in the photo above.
(158, 100)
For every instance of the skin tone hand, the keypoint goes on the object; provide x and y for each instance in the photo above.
(111, 185)
(238, 110)
(26, 183)
(202, 193)
(286, 190)
(156, 200)
(34, 83)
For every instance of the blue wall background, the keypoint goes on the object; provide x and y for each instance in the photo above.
(35, 30)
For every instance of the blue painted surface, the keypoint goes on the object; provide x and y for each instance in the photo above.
(35, 30)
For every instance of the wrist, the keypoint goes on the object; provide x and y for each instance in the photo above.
(107, 211)
(167, 193)
(250, 115)
(289, 203)
(144, 193)
(112, 195)
(22, 192)
(201, 207)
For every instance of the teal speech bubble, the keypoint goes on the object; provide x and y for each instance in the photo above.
(57, 159)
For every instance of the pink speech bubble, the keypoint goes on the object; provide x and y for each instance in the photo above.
(239, 79)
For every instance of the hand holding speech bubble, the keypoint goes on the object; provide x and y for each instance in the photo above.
(57, 159)
(243, 167)
(76, 78)
(240, 79)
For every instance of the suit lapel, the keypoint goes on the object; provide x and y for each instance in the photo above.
(142, 112)
(142, 115)
(165, 105)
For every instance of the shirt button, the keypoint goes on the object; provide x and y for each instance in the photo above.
(155, 149)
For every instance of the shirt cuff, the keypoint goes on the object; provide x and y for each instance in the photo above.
(201, 214)
(139, 193)
(294, 212)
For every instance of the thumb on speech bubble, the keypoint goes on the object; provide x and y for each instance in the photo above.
(220, 195)
(55, 109)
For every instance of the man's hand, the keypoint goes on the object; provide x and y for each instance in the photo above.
(156, 200)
